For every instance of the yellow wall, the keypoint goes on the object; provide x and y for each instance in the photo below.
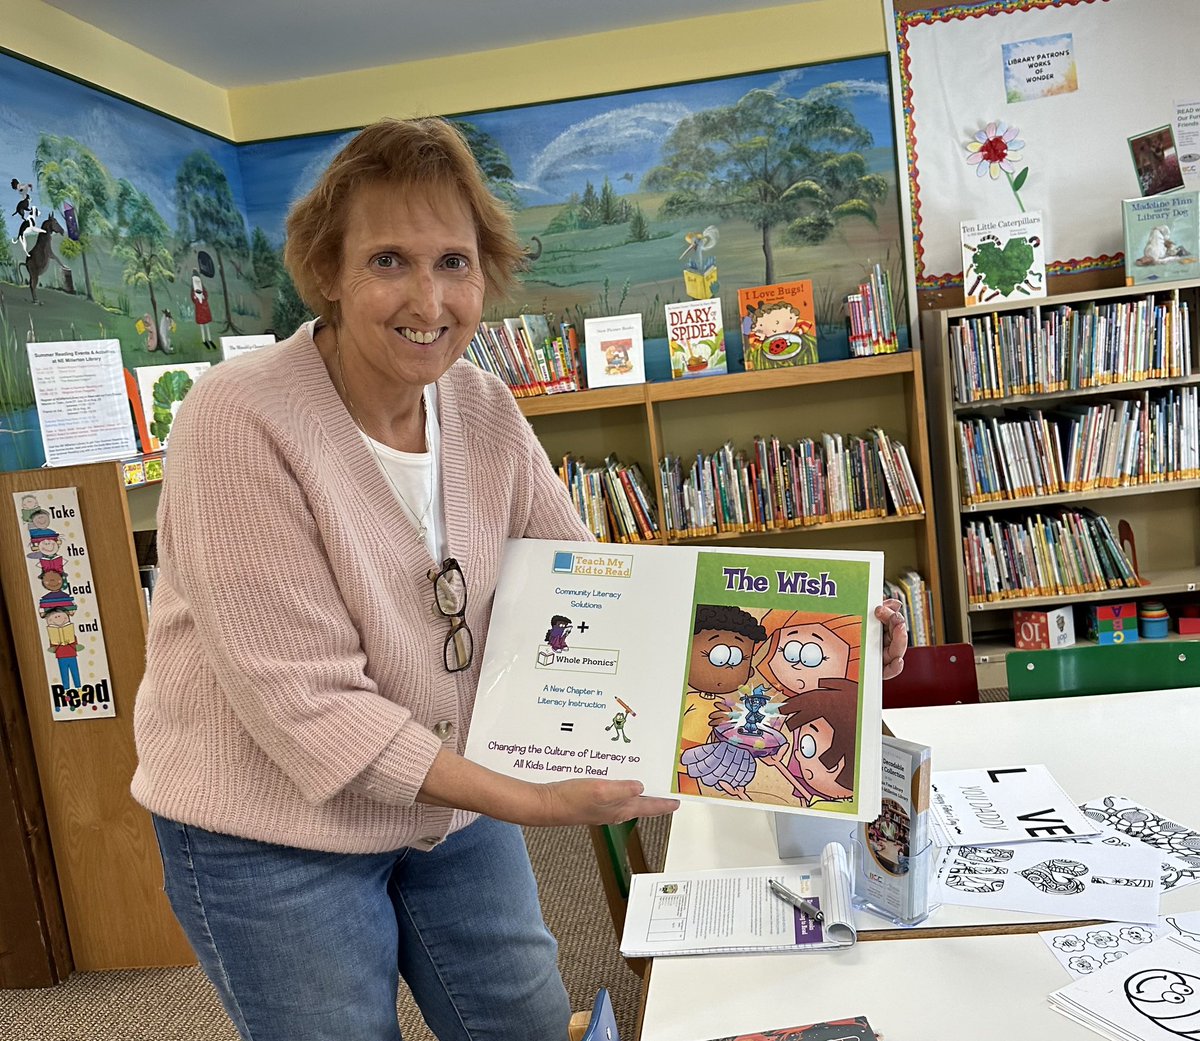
(47, 35)
(715, 45)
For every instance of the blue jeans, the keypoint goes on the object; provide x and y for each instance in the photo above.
(68, 668)
(307, 946)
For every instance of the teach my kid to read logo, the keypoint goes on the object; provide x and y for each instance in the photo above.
(603, 565)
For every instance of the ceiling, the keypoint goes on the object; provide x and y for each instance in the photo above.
(236, 43)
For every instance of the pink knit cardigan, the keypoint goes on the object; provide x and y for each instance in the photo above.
(294, 688)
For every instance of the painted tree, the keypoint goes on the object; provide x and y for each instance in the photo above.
(771, 160)
(143, 242)
(492, 159)
(288, 312)
(70, 172)
(209, 216)
(264, 258)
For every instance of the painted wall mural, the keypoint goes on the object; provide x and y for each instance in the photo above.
(126, 224)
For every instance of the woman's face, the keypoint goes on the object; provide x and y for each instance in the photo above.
(410, 288)
(808, 654)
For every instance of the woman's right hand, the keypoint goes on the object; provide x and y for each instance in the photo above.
(585, 800)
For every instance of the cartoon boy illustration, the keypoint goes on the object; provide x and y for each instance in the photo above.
(29, 506)
(824, 726)
(60, 631)
(39, 517)
(45, 544)
(722, 657)
(556, 635)
(52, 580)
(776, 331)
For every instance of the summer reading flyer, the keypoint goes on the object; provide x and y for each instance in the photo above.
(750, 676)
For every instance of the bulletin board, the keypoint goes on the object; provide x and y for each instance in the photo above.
(1052, 90)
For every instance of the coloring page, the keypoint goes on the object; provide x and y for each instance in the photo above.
(1089, 948)
(1122, 819)
(1152, 993)
(1069, 880)
(1004, 805)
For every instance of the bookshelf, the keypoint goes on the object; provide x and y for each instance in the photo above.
(1139, 431)
(645, 422)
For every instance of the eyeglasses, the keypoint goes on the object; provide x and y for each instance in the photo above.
(450, 596)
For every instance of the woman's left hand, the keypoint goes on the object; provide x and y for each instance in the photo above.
(895, 637)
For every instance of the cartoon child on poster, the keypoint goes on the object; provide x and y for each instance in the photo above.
(806, 666)
(777, 334)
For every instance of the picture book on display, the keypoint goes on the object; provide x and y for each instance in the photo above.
(854, 1029)
(779, 325)
(1003, 258)
(681, 666)
(732, 910)
(891, 856)
(1162, 237)
(696, 338)
(613, 350)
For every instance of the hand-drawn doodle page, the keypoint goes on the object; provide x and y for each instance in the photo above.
(1066, 879)
(1087, 949)
(1153, 993)
(1122, 820)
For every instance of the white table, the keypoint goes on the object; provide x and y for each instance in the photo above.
(927, 986)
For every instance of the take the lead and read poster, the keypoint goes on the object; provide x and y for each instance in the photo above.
(751, 676)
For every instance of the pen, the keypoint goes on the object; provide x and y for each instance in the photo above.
(805, 907)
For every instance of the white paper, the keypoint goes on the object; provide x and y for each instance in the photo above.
(1187, 141)
(232, 346)
(1002, 805)
(1068, 880)
(1087, 949)
(1154, 993)
(79, 387)
(734, 909)
(593, 651)
(1123, 819)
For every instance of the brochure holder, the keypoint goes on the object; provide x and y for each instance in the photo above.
(918, 866)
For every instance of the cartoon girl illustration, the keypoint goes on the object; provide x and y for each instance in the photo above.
(813, 660)
(776, 333)
(202, 308)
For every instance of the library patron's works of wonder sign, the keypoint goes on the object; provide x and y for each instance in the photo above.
(133, 228)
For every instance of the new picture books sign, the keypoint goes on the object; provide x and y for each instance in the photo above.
(63, 597)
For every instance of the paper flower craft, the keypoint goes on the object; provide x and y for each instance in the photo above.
(996, 149)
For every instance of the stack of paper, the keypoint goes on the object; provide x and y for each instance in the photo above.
(1152, 993)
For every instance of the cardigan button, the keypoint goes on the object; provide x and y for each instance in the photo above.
(443, 729)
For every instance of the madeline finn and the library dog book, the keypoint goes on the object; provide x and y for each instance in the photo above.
(751, 676)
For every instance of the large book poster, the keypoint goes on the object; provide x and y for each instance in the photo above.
(748, 676)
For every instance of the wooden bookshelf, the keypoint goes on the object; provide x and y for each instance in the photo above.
(645, 422)
(1161, 513)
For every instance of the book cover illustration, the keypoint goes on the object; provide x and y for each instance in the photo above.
(613, 350)
(757, 683)
(162, 389)
(1003, 258)
(1162, 237)
(696, 338)
(854, 1029)
(779, 325)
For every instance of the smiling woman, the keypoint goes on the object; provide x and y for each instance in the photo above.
(300, 737)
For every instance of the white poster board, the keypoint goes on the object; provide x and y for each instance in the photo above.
(1118, 72)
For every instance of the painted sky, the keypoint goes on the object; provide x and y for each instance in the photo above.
(555, 148)
(131, 142)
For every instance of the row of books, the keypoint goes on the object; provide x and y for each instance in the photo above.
(1068, 348)
(1110, 445)
(914, 594)
(1061, 552)
(869, 310)
(527, 356)
(613, 499)
(785, 485)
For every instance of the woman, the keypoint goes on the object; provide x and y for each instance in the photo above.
(311, 669)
